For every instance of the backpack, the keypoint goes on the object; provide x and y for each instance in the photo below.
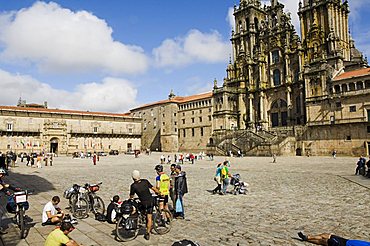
(185, 242)
(100, 217)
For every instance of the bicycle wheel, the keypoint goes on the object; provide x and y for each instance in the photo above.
(98, 205)
(80, 208)
(73, 199)
(162, 221)
(21, 224)
(123, 233)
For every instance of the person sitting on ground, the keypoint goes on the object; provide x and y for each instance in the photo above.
(59, 236)
(331, 240)
(111, 210)
(52, 214)
(142, 187)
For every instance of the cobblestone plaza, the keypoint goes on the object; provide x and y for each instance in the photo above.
(313, 194)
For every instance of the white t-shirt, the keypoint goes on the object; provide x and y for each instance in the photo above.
(48, 207)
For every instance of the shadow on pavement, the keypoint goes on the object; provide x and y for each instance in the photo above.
(30, 182)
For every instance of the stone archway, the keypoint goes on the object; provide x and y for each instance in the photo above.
(54, 145)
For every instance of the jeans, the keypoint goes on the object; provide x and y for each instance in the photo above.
(225, 184)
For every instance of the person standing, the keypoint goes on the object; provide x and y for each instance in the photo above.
(142, 187)
(173, 176)
(334, 154)
(225, 175)
(218, 179)
(28, 158)
(162, 183)
(181, 188)
(360, 165)
(94, 158)
(51, 159)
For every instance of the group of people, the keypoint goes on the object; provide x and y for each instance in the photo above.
(361, 167)
(222, 178)
(10, 158)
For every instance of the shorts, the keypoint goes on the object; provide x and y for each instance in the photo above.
(337, 241)
(146, 208)
(163, 199)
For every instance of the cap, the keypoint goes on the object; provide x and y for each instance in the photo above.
(135, 175)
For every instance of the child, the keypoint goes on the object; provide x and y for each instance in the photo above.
(111, 210)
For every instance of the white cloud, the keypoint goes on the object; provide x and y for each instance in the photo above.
(110, 95)
(230, 18)
(56, 39)
(194, 47)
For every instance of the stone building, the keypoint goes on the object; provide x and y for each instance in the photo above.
(176, 124)
(283, 93)
(39, 129)
(287, 94)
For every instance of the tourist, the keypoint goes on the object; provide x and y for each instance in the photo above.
(334, 154)
(94, 158)
(51, 213)
(163, 159)
(360, 166)
(142, 187)
(181, 188)
(331, 240)
(59, 236)
(38, 161)
(225, 177)
(172, 184)
(218, 179)
(111, 210)
(273, 158)
(51, 159)
(162, 183)
(168, 159)
(28, 158)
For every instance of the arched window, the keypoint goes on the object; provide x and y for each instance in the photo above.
(276, 77)
(279, 113)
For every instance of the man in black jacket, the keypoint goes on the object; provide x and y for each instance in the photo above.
(181, 188)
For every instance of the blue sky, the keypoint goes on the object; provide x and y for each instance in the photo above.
(114, 55)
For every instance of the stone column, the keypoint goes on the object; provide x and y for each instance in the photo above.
(251, 113)
(262, 106)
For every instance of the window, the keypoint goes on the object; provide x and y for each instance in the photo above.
(9, 127)
(276, 77)
(275, 56)
(163, 115)
(174, 114)
(95, 130)
(338, 104)
(183, 121)
(210, 110)
(192, 112)
(200, 111)
(151, 112)
(175, 123)
(192, 132)
(184, 133)
(200, 119)
(175, 129)
(130, 130)
(201, 132)
(164, 123)
(209, 118)
(183, 114)
(192, 120)
(352, 108)
(348, 138)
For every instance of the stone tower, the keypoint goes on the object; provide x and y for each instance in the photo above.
(263, 87)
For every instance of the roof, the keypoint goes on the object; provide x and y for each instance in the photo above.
(353, 74)
(62, 111)
(178, 99)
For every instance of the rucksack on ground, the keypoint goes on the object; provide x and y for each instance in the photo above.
(100, 217)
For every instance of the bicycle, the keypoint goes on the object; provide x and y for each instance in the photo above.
(131, 219)
(18, 204)
(83, 199)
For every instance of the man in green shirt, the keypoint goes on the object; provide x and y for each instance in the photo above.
(59, 236)
(225, 175)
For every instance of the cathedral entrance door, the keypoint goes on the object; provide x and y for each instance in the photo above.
(54, 145)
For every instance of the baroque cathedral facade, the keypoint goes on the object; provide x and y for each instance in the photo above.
(283, 93)
(289, 94)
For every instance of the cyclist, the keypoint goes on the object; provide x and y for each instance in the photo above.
(142, 187)
(163, 185)
(59, 236)
(51, 213)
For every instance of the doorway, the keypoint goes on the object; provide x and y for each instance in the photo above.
(54, 145)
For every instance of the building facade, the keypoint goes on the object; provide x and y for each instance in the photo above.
(176, 124)
(283, 93)
(39, 129)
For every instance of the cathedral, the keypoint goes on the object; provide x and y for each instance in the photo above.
(286, 93)
(283, 93)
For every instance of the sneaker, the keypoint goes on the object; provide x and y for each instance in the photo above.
(147, 236)
(74, 221)
(302, 236)
(43, 224)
